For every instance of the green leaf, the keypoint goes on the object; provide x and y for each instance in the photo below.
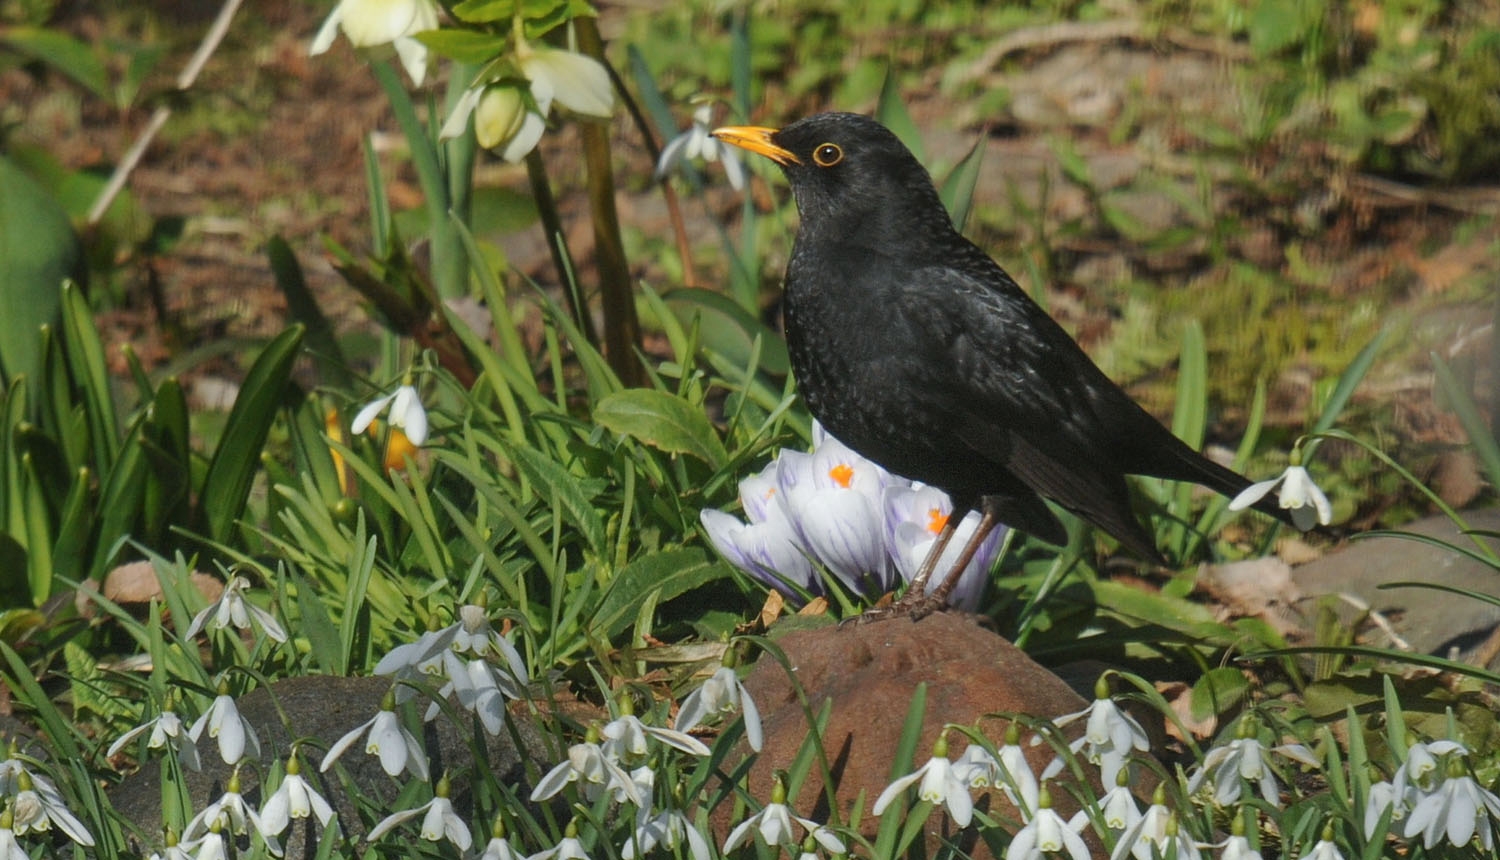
(957, 192)
(663, 421)
(85, 354)
(567, 491)
(68, 55)
(464, 46)
(669, 573)
(235, 462)
(333, 369)
(727, 328)
(1217, 691)
(1479, 432)
(484, 11)
(891, 112)
(38, 251)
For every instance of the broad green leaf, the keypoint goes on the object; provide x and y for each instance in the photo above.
(663, 421)
(164, 438)
(891, 112)
(957, 192)
(68, 55)
(1217, 691)
(333, 369)
(670, 573)
(236, 460)
(38, 251)
(73, 538)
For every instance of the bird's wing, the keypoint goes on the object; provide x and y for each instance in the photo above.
(1028, 399)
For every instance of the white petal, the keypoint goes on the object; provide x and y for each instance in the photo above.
(1252, 494)
(579, 83)
(894, 790)
(327, 33)
(458, 119)
(525, 140)
(367, 415)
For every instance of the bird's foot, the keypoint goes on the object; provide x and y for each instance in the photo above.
(912, 606)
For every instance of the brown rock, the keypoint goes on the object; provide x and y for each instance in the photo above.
(869, 672)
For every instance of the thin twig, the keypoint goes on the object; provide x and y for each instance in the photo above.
(185, 79)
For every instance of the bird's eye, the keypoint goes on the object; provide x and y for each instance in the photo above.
(827, 155)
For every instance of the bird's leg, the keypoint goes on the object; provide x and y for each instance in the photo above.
(987, 523)
(939, 545)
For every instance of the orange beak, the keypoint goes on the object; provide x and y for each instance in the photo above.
(758, 140)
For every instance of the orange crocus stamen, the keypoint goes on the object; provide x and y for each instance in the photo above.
(936, 520)
(842, 474)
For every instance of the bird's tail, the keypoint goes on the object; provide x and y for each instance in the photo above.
(1181, 463)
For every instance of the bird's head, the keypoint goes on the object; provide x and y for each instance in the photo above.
(848, 172)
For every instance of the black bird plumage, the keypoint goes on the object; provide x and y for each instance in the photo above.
(913, 347)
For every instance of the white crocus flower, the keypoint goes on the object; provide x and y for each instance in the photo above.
(224, 722)
(773, 824)
(832, 497)
(439, 820)
(294, 799)
(407, 414)
(699, 144)
(913, 517)
(1299, 495)
(941, 785)
(1458, 808)
(387, 738)
(1046, 832)
(166, 731)
(233, 609)
(371, 23)
(1108, 737)
(722, 693)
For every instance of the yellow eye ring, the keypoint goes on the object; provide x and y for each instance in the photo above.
(827, 155)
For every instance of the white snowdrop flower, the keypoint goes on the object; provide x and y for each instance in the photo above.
(230, 814)
(773, 824)
(698, 144)
(224, 722)
(594, 771)
(372, 23)
(1457, 808)
(722, 693)
(1299, 495)
(37, 805)
(166, 731)
(670, 829)
(1046, 832)
(397, 748)
(941, 784)
(1148, 835)
(439, 820)
(1108, 737)
(407, 414)
(1382, 796)
(233, 609)
(1325, 849)
(294, 799)
(1245, 757)
(570, 847)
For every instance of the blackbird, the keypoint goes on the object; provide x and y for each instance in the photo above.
(918, 351)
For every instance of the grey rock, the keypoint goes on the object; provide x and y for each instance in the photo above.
(1431, 621)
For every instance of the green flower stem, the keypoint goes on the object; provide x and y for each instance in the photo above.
(622, 330)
